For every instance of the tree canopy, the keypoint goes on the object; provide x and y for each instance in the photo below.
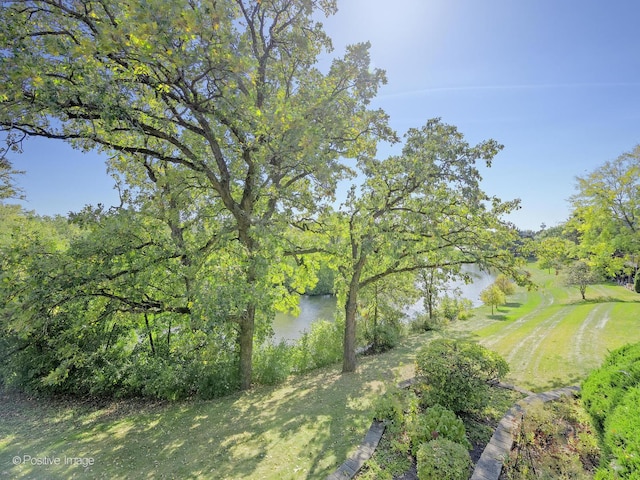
(218, 107)
(607, 214)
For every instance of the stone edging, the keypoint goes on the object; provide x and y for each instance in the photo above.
(489, 466)
(353, 464)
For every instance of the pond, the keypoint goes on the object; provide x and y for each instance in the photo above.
(323, 307)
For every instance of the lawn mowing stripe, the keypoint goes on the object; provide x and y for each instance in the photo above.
(554, 352)
(530, 342)
(587, 337)
(545, 301)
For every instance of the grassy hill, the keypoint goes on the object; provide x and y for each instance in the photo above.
(306, 427)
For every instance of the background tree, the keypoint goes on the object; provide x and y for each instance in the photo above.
(607, 215)
(226, 94)
(579, 274)
(505, 285)
(422, 209)
(493, 295)
(8, 188)
(553, 252)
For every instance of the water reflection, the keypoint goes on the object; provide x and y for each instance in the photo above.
(290, 327)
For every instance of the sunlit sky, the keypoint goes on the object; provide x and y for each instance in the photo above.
(556, 82)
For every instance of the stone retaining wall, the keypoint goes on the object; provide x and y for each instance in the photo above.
(489, 466)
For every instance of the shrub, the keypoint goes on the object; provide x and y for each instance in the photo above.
(606, 386)
(444, 460)
(319, 347)
(453, 308)
(622, 436)
(272, 363)
(457, 375)
(384, 336)
(422, 323)
(436, 423)
(393, 405)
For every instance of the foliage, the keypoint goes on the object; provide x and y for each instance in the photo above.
(381, 311)
(454, 308)
(272, 363)
(326, 281)
(423, 209)
(321, 346)
(443, 459)
(505, 285)
(553, 252)
(607, 214)
(394, 405)
(493, 295)
(555, 440)
(8, 188)
(580, 275)
(622, 436)
(436, 423)
(457, 375)
(606, 387)
(636, 285)
(216, 122)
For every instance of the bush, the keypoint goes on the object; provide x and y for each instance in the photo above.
(384, 336)
(454, 308)
(436, 423)
(272, 363)
(622, 436)
(443, 460)
(393, 405)
(606, 386)
(457, 375)
(422, 323)
(319, 347)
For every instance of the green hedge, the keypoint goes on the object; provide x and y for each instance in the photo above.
(611, 395)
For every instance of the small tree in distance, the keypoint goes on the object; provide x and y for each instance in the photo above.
(505, 285)
(580, 275)
(492, 295)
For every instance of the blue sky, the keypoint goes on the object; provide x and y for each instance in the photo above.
(556, 82)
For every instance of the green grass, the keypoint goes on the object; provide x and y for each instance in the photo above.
(308, 426)
(302, 429)
(551, 337)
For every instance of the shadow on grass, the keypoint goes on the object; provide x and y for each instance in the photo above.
(304, 428)
(601, 299)
(498, 316)
(513, 304)
(556, 383)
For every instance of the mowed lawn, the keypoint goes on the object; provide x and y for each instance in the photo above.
(311, 424)
(303, 429)
(550, 336)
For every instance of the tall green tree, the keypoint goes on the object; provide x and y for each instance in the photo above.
(226, 93)
(607, 215)
(421, 209)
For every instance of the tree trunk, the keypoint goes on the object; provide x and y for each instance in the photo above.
(349, 351)
(351, 307)
(245, 340)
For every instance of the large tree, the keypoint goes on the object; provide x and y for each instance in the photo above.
(226, 93)
(422, 209)
(607, 215)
